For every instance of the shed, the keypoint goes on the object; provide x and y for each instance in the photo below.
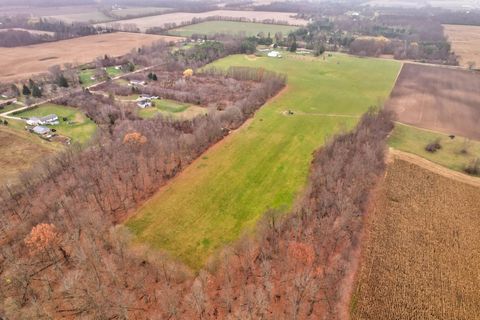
(41, 130)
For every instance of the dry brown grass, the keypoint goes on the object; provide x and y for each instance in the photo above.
(439, 99)
(465, 42)
(22, 62)
(179, 17)
(19, 152)
(421, 257)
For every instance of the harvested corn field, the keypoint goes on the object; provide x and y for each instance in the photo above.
(421, 257)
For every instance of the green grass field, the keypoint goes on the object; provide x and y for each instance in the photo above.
(87, 74)
(263, 165)
(414, 140)
(170, 107)
(231, 27)
(80, 130)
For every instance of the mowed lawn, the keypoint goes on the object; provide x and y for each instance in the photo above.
(231, 27)
(75, 125)
(263, 165)
(171, 108)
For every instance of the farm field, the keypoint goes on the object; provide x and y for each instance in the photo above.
(22, 62)
(440, 99)
(465, 42)
(264, 164)
(455, 153)
(42, 11)
(231, 27)
(137, 11)
(93, 16)
(20, 151)
(179, 17)
(39, 32)
(421, 256)
(80, 129)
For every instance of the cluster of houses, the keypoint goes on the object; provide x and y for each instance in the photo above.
(38, 125)
(145, 101)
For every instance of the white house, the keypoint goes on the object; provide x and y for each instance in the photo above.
(145, 103)
(136, 83)
(274, 54)
(51, 119)
(33, 121)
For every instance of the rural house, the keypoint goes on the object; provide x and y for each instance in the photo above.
(42, 131)
(274, 54)
(136, 83)
(51, 119)
(144, 103)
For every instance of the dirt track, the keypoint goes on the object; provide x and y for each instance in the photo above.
(21, 62)
(433, 167)
(440, 99)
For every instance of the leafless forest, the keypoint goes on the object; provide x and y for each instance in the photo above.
(61, 254)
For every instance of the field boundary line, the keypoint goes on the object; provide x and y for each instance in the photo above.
(434, 167)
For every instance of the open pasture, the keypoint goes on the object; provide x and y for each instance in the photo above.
(179, 17)
(22, 62)
(73, 123)
(421, 257)
(454, 154)
(20, 151)
(440, 99)
(264, 164)
(465, 42)
(231, 27)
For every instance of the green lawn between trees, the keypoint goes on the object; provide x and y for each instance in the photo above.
(231, 27)
(77, 127)
(264, 165)
(170, 108)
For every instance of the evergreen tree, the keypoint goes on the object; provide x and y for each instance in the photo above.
(36, 92)
(62, 81)
(26, 91)
(154, 77)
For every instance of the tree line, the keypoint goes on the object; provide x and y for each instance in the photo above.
(60, 255)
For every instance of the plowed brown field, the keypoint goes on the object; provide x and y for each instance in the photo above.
(421, 256)
(437, 98)
(22, 62)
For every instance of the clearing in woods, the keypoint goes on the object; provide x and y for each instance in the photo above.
(232, 27)
(22, 62)
(437, 98)
(421, 256)
(73, 123)
(265, 163)
(465, 42)
(185, 17)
